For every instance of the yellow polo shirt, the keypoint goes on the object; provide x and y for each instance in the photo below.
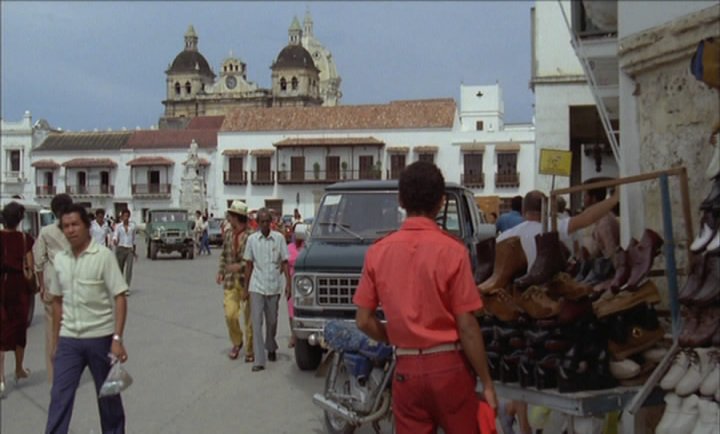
(88, 285)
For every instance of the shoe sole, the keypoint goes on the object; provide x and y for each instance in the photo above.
(648, 293)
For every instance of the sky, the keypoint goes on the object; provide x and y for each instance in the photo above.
(87, 65)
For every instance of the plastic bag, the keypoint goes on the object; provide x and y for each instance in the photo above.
(117, 380)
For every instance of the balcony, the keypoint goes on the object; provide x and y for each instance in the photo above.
(90, 190)
(263, 178)
(45, 190)
(235, 178)
(13, 176)
(393, 174)
(308, 177)
(151, 190)
(507, 180)
(473, 180)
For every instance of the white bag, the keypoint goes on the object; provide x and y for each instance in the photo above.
(117, 380)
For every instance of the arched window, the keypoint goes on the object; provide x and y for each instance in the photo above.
(225, 68)
(177, 88)
(188, 87)
(283, 84)
(294, 83)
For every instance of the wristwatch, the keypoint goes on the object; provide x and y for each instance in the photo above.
(117, 337)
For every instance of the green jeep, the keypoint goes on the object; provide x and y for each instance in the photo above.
(169, 230)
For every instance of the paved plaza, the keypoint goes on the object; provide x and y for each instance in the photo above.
(184, 382)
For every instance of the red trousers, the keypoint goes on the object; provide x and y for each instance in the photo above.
(435, 390)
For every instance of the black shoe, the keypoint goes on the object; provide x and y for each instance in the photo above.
(257, 368)
(272, 356)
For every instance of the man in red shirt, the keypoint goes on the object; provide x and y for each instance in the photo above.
(423, 279)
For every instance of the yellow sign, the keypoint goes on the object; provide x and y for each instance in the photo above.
(555, 162)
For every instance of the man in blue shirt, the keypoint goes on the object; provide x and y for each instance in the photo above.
(513, 218)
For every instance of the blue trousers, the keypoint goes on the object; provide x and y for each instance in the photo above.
(71, 358)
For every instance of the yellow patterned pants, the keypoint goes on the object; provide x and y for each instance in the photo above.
(234, 305)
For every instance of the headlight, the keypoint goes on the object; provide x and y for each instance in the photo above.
(303, 286)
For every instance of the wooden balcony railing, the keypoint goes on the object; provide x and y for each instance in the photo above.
(507, 180)
(45, 190)
(263, 178)
(90, 190)
(308, 177)
(474, 180)
(235, 178)
(151, 189)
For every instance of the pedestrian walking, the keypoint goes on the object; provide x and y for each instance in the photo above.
(100, 229)
(205, 236)
(16, 263)
(266, 272)
(294, 249)
(232, 276)
(124, 240)
(197, 231)
(423, 279)
(50, 242)
(86, 284)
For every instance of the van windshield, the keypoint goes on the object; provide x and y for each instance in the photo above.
(169, 216)
(357, 216)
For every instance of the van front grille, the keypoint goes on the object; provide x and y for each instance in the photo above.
(336, 291)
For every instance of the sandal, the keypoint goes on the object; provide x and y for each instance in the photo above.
(234, 353)
(249, 358)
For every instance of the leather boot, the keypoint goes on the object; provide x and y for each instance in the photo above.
(622, 268)
(713, 198)
(572, 311)
(546, 371)
(602, 270)
(486, 259)
(708, 227)
(509, 367)
(707, 325)
(509, 261)
(647, 293)
(501, 305)
(710, 289)
(536, 303)
(583, 270)
(638, 340)
(549, 262)
(641, 258)
(562, 285)
(695, 280)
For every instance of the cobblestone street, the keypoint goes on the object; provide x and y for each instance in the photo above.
(184, 382)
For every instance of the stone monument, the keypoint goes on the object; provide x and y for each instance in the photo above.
(193, 196)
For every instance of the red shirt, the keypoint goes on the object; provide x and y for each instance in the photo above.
(423, 279)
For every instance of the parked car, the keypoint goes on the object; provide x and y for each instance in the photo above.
(169, 230)
(215, 232)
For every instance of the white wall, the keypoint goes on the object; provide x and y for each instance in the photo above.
(553, 53)
(636, 16)
(16, 135)
(488, 107)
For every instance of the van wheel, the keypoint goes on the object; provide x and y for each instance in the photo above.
(184, 254)
(307, 357)
(191, 253)
(153, 250)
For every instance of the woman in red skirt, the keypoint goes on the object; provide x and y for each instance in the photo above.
(14, 290)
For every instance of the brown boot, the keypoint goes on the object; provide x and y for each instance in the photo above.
(702, 326)
(641, 258)
(622, 267)
(550, 261)
(562, 285)
(501, 305)
(509, 261)
(710, 289)
(647, 293)
(638, 340)
(695, 280)
(486, 259)
(536, 303)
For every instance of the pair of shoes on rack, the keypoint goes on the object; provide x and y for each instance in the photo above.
(609, 303)
(550, 261)
(708, 239)
(703, 283)
(692, 371)
(691, 415)
(701, 326)
(509, 261)
(639, 259)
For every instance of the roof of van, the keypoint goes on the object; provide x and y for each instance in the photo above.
(28, 204)
(376, 185)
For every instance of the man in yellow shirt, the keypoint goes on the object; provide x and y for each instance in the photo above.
(86, 282)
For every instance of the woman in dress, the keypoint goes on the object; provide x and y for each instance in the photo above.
(294, 249)
(15, 293)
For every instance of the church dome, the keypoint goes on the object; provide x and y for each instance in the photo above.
(190, 61)
(294, 56)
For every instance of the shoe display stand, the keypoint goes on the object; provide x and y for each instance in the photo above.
(628, 399)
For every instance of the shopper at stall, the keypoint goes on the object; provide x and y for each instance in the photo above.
(511, 218)
(423, 279)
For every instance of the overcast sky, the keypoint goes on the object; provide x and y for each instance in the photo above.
(86, 65)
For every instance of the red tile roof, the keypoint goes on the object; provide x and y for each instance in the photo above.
(174, 139)
(205, 123)
(90, 162)
(151, 161)
(439, 113)
(45, 164)
(329, 141)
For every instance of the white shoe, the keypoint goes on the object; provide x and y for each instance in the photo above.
(714, 244)
(624, 369)
(709, 420)
(686, 418)
(711, 383)
(703, 238)
(700, 367)
(677, 370)
(655, 354)
(672, 408)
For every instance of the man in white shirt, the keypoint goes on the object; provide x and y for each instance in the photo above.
(99, 229)
(86, 284)
(50, 242)
(266, 275)
(124, 240)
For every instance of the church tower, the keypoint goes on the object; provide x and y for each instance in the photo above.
(295, 78)
(187, 77)
(323, 58)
